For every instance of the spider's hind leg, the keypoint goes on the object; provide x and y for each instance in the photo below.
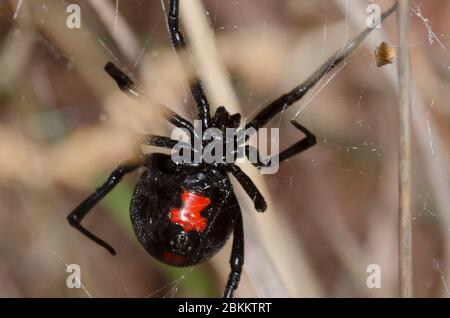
(237, 256)
(249, 187)
(77, 215)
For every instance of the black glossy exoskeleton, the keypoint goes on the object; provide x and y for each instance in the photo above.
(182, 216)
(184, 213)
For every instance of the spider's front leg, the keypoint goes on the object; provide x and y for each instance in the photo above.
(284, 101)
(307, 142)
(127, 86)
(154, 140)
(179, 44)
(237, 256)
(300, 146)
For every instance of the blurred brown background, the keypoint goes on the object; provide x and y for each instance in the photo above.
(332, 210)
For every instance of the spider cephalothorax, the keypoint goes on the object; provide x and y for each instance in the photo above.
(215, 144)
(184, 212)
(222, 119)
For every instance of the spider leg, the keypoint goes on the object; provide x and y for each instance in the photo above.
(77, 215)
(127, 86)
(158, 141)
(179, 44)
(259, 162)
(237, 256)
(155, 140)
(286, 100)
(249, 187)
(298, 147)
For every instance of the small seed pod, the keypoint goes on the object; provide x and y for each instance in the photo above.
(384, 54)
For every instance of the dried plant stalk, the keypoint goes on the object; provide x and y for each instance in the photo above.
(405, 232)
(433, 171)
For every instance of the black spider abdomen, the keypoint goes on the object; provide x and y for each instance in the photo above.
(182, 217)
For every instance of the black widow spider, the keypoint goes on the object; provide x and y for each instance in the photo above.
(183, 214)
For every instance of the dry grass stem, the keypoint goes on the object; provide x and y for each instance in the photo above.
(405, 226)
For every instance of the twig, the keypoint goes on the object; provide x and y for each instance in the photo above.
(16, 51)
(404, 73)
